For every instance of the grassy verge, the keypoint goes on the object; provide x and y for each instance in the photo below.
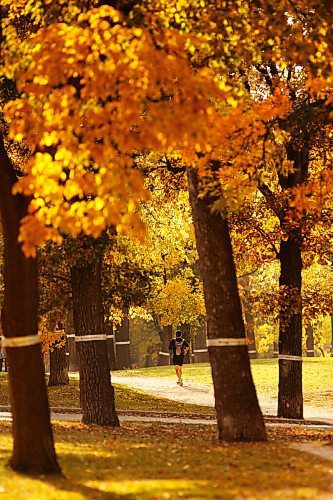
(317, 377)
(145, 461)
(126, 399)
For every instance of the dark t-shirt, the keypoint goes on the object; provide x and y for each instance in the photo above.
(179, 340)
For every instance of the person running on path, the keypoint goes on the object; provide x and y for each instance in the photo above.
(178, 348)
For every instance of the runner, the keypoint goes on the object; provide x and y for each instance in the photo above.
(178, 348)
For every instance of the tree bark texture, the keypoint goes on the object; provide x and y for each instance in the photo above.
(290, 398)
(309, 341)
(200, 350)
(163, 356)
(96, 391)
(238, 412)
(123, 355)
(34, 451)
(58, 366)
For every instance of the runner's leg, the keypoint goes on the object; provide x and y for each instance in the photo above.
(180, 375)
(176, 370)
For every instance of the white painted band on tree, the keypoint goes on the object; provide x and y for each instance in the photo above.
(310, 350)
(20, 341)
(90, 338)
(125, 342)
(67, 353)
(200, 350)
(288, 357)
(253, 352)
(226, 342)
(110, 336)
(164, 353)
(70, 335)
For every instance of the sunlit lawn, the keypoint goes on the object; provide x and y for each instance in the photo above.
(317, 384)
(140, 461)
(317, 377)
(126, 399)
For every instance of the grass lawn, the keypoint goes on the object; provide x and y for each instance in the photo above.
(126, 399)
(149, 461)
(317, 377)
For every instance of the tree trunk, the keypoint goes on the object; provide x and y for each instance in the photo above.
(111, 346)
(164, 355)
(58, 366)
(290, 398)
(148, 357)
(275, 349)
(96, 391)
(33, 440)
(73, 365)
(238, 412)
(200, 350)
(309, 341)
(249, 319)
(123, 355)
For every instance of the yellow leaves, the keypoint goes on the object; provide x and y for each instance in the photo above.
(96, 89)
(72, 190)
(49, 138)
(232, 102)
(99, 203)
(40, 79)
(178, 303)
(32, 234)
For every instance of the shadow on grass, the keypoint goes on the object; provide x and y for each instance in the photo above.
(161, 461)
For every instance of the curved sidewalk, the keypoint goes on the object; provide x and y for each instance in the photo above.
(204, 395)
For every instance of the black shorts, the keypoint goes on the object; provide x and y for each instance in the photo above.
(178, 360)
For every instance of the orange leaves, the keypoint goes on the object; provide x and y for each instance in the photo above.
(96, 91)
(51, 339)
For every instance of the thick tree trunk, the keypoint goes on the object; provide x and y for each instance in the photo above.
(58, 366)
(309, 341)
(33, 440)
(200, 350)
(290, 398)
(164, 355)
(238, 412)
(96, 391)
(123, 355)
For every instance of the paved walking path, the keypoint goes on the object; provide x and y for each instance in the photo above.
(203, 394)
(320, 450)
(6, 416)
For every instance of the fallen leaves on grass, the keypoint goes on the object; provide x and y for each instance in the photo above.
(155, 460)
